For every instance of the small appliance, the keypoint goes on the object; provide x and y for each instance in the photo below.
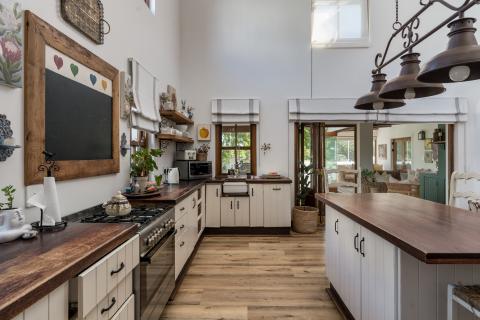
(186, 155)
(194, 170)
(172, 175)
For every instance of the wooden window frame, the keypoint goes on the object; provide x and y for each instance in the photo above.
(219, 148)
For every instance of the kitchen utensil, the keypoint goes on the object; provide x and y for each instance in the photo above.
(118, 205)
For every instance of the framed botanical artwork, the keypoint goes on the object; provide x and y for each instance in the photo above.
(11, 44)
(382, 151)
(71, 106)
(204, 132)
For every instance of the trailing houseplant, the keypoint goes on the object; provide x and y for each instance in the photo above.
(142, 163)
(305, 218)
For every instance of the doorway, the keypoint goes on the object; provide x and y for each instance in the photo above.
(402, 154)
(321, 146)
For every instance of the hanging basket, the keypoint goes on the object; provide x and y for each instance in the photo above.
(305, 219)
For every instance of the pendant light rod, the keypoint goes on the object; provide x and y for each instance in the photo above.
(408, 30)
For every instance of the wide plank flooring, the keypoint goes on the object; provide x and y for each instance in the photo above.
(252, 277)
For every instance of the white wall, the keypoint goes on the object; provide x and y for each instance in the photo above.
(261, 49)
(385, 136)
(153, 40)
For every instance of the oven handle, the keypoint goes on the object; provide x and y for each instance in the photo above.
(148, 257)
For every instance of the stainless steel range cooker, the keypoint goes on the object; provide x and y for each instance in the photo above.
(155, 277)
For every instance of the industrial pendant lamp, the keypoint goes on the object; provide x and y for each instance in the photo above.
(371, 101)
(461, 61)
(406, 84)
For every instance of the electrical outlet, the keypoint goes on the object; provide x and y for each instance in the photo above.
(31, 191)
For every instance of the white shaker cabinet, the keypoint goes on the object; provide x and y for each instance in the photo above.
(51, 307)
(256, 205)
(362, 267)
(277, 207)
(212, 205)
(235, 212)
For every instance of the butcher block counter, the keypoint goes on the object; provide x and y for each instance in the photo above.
(391, 256)
(31, 269)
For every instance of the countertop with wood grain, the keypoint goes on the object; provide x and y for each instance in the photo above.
(433, 233)
(174, 193)
(31, 269)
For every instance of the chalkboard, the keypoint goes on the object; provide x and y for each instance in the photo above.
(78, 120)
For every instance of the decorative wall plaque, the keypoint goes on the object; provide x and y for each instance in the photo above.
(87, 17)
(6, 133)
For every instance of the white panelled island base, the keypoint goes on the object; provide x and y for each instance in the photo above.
(384, 256)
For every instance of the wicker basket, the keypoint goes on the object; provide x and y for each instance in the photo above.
(305, 219)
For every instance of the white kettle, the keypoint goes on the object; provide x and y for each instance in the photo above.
(173, 176)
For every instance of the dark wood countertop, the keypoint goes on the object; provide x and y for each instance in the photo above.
(253, 180)
(173, 193)
(433, 233)
(31, 269)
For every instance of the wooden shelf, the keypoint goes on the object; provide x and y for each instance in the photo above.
(172, 137)
(175, 116)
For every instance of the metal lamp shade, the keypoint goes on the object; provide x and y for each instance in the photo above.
(463, 50)
(406, 84)
(371, 99)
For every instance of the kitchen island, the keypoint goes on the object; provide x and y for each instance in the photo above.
(390, 256)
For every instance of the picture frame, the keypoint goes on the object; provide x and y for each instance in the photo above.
(39, 37)
(204, 132)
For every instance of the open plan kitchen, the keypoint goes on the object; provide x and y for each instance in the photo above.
(239, 160)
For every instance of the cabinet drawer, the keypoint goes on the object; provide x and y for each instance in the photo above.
(98, 281)
(113, 302)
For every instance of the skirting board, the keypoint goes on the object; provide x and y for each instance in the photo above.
(247, 231)
(342, 308)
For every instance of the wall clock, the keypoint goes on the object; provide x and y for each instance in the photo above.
(87, 17)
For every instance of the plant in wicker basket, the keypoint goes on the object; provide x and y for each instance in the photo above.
(305, 219)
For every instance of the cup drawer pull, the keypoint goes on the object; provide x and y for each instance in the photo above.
(182, 244)
(122, 265)
(110, 306)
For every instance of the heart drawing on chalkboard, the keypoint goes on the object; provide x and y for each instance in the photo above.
(104, 84)
(74, 69)
(93, 79)
(58, 61)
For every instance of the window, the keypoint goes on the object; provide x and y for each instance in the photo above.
(236, 147)
(340, 23)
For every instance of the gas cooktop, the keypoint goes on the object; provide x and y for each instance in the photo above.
(143, 215)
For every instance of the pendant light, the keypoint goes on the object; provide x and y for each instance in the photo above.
(371, 101)
(406, 84)
(461, 61)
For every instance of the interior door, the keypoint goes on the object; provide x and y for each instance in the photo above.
(402, 154)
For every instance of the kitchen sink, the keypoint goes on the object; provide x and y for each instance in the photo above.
(235, 187)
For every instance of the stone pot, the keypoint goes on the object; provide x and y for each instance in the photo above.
(305, 219)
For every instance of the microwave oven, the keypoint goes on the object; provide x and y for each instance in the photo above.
(194, 170)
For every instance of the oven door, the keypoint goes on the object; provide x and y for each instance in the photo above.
(157, 278)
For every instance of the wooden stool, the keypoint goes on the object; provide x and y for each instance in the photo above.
(466, 296)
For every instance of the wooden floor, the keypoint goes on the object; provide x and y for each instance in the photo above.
(252, 277)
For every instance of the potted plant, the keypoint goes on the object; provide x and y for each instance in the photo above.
(202, 152)
(10, 217)
(143, 162)
(369, 184)
(305, 218)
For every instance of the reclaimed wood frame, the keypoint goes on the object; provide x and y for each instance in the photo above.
(39, 34)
